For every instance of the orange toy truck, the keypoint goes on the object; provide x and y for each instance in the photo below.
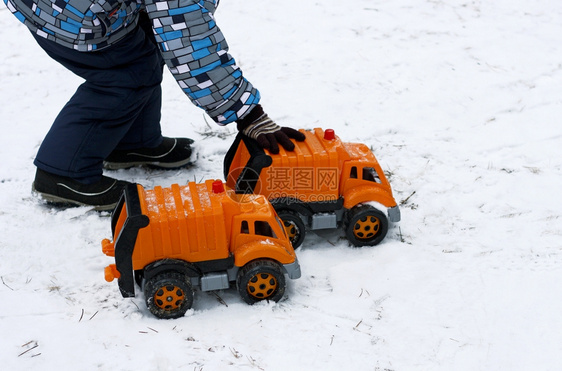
(170, 240)
(324, 183)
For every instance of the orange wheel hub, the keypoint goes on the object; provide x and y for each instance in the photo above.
(366, 227)
(291, 229)
(262, 285)
(169, 297)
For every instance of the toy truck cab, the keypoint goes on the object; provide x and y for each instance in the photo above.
(324, 183)
(170, 240)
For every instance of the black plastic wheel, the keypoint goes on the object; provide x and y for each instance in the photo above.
(365, 225)
(168, 295)
(294, 227)
(261, 280)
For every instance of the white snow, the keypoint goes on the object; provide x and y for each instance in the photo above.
(461, 102)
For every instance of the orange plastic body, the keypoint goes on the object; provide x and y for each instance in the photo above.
(204, 222)
(320, 169)
(111, 272)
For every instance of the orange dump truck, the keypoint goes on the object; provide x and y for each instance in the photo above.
(324, 183)
(170, 240)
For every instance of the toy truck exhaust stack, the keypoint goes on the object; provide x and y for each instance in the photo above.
(324, 183)
(170, 240)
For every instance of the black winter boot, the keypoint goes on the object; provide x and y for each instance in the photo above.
(61, 190)
(172, 153)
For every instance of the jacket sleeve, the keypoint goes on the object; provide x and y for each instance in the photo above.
(196, 53)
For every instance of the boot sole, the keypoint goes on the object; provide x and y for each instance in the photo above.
(154, 165)
(61, 201)
(112, 165)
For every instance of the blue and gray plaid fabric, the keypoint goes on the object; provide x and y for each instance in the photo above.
(192, 45)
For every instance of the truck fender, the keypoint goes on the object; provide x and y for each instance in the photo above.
(367, 193)
(168, 265)
(280, 204)
(262, 249)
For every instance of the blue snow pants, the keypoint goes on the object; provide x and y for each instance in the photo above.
(117, 107)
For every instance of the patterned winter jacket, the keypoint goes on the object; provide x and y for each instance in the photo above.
(192, 45)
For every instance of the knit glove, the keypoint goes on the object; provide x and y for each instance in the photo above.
(268, 134)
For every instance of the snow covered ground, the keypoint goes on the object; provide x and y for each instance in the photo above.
(461, 101)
